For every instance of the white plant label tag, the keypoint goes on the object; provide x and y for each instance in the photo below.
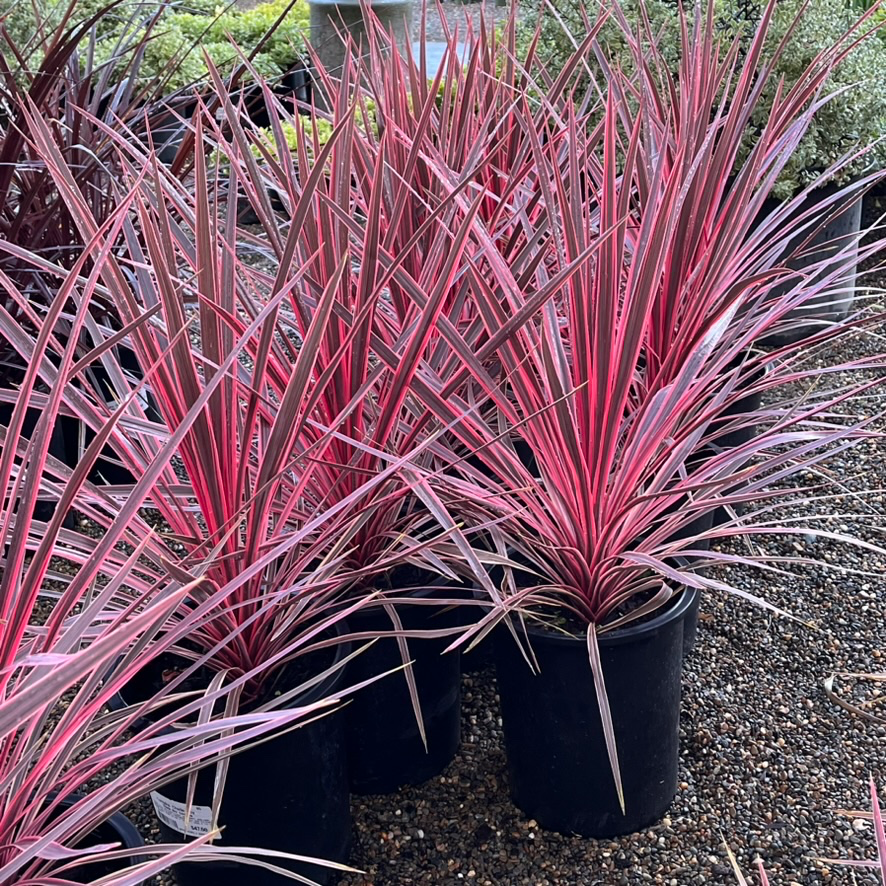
(172, 814)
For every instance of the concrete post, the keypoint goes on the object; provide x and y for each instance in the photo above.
(331, 19)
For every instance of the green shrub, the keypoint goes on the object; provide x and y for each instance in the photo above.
(264, 136)
(184, 31)
(366, 113)
(852, 120)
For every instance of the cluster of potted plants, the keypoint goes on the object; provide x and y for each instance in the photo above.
(488, 370)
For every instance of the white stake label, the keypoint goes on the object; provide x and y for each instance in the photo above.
(172, 814)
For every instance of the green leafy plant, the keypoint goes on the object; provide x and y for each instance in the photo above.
(319, 133)
(180, 34)
(187, 35)
(852, 120)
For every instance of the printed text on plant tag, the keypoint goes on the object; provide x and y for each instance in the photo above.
(172, 814)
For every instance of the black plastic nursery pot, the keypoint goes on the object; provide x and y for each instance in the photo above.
(168, 130)
(385, 749)
(558, 767)
(690, 623)
(480, 658)
(289, 793)
(837, 234)
(247, 215)
(293, 89)
(43, 510)
(117, 829)
(107, 470)
(70, 437)
(690, 619)
(699, 524)
(749, 403)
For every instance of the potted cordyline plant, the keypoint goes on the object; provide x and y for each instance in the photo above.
(855, 117)
(265, 506)
(52, 65)
(68, 766)
(483, 131)
(592, 531)
(68, 88)
(732, 181)
(369, 224)
(184, 41)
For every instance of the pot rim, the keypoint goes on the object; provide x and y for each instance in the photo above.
(440, 587)
(130, 836)
(673, 610)
(429, 588)
(675, 607)
(324, 689)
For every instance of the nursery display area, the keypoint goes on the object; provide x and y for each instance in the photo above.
(442, 447)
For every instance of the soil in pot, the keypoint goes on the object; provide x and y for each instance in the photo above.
(289, 793)
(558, 767)
(385, 749)
(117, 829)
